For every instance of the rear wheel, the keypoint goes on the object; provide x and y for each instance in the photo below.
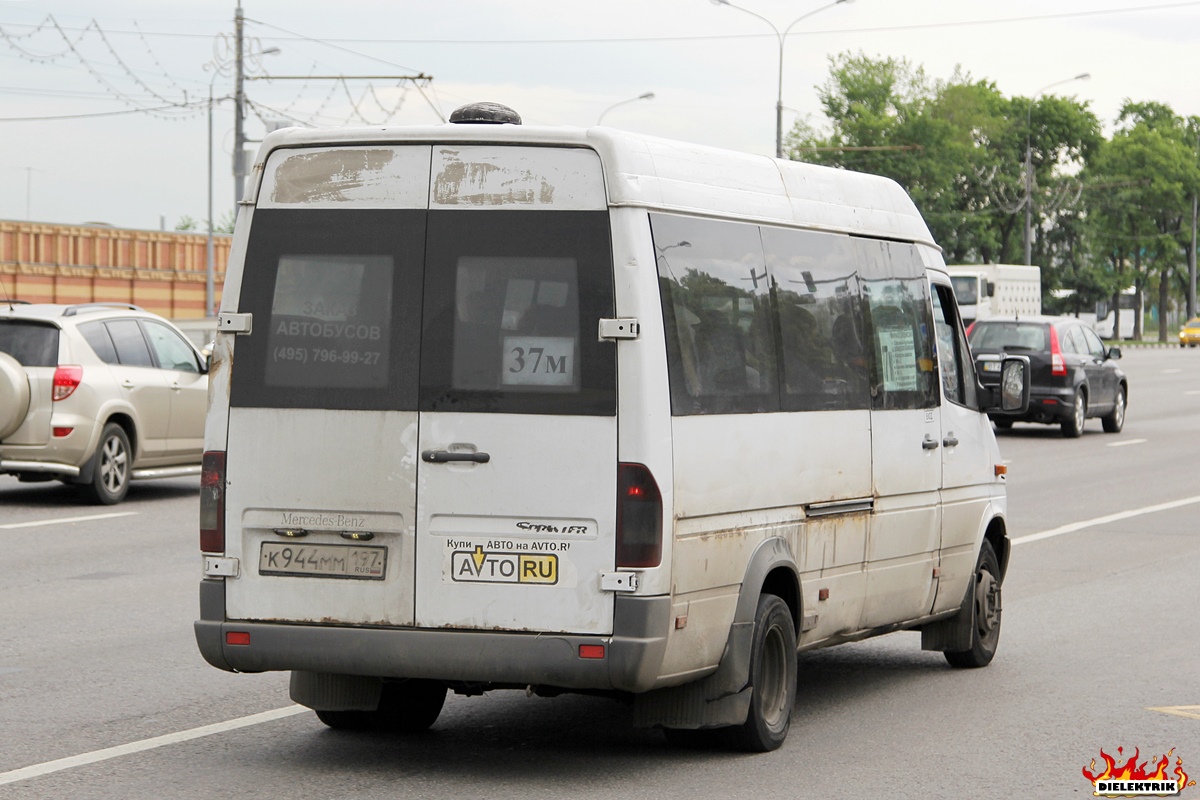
(407, 707)
(1072, 426)
(772, 678)
(1114, 420)
(111, 465)
(984, 607)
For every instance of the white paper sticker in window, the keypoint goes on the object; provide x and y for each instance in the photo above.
(539, 361)
(898, 350)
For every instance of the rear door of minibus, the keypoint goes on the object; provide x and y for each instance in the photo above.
(421, 430)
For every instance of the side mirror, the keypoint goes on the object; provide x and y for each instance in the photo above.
(991, 289)
(1011, 394)
(1014, 385)
(1114, 352)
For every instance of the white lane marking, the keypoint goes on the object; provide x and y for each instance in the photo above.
(1180, 711)
(37, 770)
(1192, 392)
(1091, 523)
(1171, 371)
(1127, 441)
(61, 520)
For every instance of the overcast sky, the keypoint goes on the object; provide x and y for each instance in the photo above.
(713, 71)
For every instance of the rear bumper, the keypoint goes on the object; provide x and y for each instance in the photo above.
(632, 655)
(1045, 405)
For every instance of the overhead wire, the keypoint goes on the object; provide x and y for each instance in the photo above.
(333, 42)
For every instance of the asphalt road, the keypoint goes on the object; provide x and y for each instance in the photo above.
(1101, 632)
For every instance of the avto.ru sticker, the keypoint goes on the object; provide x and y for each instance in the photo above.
(498, 566)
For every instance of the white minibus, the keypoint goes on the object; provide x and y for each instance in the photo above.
(498, 406)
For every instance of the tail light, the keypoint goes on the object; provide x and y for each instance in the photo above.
(639, 517)
(212, 502)
(1058, 365)
(970, 328)
(66, 381)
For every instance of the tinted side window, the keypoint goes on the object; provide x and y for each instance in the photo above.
(717, 314)
(954, 357)
(96, 335)
(335, 298)
(1093, 343)
(817, 299)
(172, 351)
(130, 344)
(30, 343)
(513, 301)
(896, 294)
(1073, 341)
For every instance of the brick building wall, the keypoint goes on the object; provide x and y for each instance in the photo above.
(161, 271)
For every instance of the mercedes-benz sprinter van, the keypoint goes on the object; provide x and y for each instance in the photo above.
(555, 409)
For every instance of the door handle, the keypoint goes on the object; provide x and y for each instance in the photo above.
(443, 456)
(930, 443)
(127, 384)
(951, 440)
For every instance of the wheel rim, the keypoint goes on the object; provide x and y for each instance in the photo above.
(772, 681)
(987, 604)
(1079, 412)
(1119, 409)
(114, 465)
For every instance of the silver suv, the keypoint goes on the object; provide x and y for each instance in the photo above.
(98, 394)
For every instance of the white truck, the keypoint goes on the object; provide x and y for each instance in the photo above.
(989, 290)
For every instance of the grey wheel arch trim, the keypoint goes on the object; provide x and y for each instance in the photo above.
(770, 555)
(723, 698)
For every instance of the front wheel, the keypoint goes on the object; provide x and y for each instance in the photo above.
(406, 707)
(1114, 420)
(983, 605)
(111, 465)
(772, 678)
(1072, 426)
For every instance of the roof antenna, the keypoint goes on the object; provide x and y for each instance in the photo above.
(7, 299)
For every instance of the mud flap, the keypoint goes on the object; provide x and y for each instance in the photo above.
(322, 691)
(717, 701)
(953, 635)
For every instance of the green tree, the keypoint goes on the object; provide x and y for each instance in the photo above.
(1142, 183)
(190, 224)
(958, 147)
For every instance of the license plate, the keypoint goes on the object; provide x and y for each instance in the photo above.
(323, 561)
(990, 366)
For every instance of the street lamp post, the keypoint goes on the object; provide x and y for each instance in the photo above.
(782, 37)
(1083, 76)
(220, 66)
(646, 96)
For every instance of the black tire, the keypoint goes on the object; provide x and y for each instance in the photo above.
(984, 607)
(1114, 420)
(1003, 424)
(1072, 426)
(405, 707)
(772, 678)
(111, 464)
